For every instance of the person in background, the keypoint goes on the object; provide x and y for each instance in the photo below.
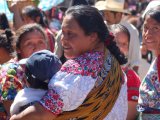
(54, 16)
(31, 14)
(39, 69)
(6, 48)
(15, 7)
(28, 39)
(6, 53)
(112, 11)
(147, 55)
(90, 84)
(122, 38)
(4, 24)
(148, 102)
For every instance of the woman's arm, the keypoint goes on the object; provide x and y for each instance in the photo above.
(132, 112)
(34, 112)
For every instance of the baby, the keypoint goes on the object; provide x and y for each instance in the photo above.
(39, 69)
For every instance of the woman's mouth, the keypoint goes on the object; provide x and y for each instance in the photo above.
(66, 48)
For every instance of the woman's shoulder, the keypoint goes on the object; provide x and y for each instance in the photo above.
(89, 63)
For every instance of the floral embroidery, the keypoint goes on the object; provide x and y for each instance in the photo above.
(85, 65)
(150, 89)
(88, 64)
(52, 102)
(11, 80)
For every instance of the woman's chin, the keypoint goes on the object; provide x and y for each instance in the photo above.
(68, 56)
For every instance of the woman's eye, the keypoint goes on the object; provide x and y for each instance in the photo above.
(156, 28)
(70, 34)
(145, 27)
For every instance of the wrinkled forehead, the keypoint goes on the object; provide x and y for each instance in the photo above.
(149, 20)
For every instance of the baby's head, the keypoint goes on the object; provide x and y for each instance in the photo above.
(40, 67)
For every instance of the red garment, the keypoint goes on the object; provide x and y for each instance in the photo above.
(158, 67)
(51, 40)
(133, 84)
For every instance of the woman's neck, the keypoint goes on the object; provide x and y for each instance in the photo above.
(99, 47)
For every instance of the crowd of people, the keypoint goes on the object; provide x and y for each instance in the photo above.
(89, 60)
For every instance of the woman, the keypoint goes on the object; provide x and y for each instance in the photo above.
(122, 38)
(90, 84)
(149, 105)
(29, 39)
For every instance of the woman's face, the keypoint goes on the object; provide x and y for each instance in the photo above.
(74, 41)
(30, 43)
(122, 41)
(151, 34)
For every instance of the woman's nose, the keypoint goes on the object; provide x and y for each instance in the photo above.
(149, 32)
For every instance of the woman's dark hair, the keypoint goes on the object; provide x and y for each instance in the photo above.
(91, 21)
(4, 24)
(6, 39)
(79, 2)
(22, 31)
(154, 14)
(34, 12)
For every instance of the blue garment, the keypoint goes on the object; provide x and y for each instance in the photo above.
(48, 4)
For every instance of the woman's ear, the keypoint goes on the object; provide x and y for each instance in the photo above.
(93, 36)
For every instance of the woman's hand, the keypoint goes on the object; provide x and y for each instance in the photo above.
(34, 112)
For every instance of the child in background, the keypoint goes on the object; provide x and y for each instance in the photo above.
(122, 38)
(39, 69)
